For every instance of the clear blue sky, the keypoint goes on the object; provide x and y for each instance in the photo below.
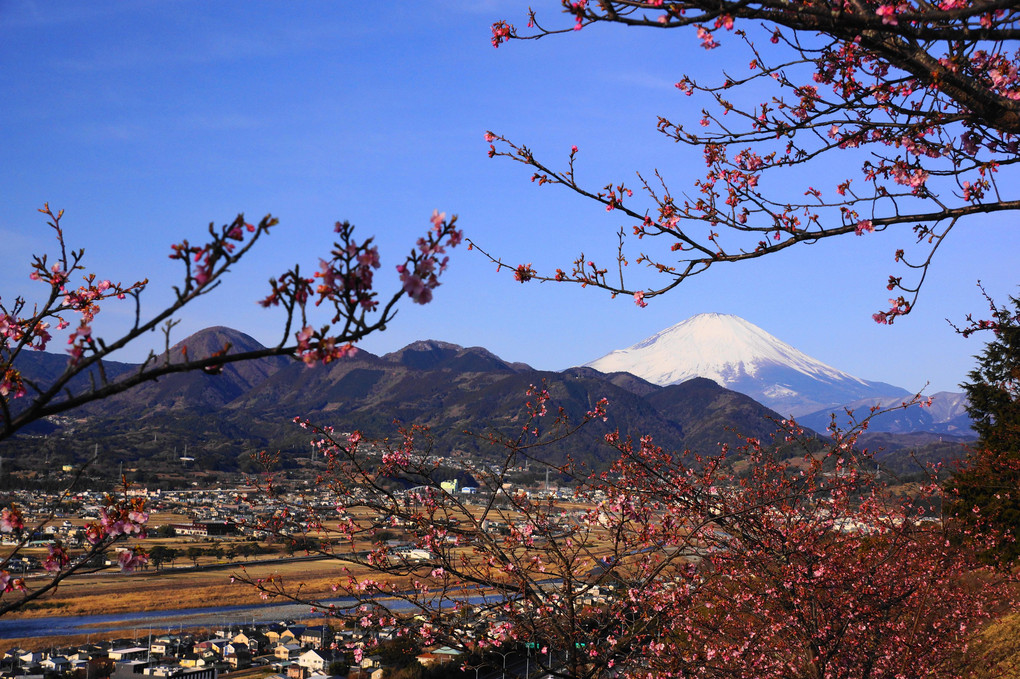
(145, 121)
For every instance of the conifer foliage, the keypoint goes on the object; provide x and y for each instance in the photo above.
(986, 492)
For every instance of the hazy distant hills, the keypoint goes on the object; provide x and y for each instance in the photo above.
(946, 415)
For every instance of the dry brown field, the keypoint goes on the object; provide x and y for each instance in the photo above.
(113, 592)
(110, 592)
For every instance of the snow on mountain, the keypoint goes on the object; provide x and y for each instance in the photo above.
(721, 347)
(946, 415)
(741, 356)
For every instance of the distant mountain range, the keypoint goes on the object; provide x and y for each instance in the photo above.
(250, 406)
(671, 391)
(741, 356)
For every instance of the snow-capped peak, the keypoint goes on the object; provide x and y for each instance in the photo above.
(741, 356)
(721, 347)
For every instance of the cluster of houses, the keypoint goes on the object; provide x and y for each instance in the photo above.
(289, 650)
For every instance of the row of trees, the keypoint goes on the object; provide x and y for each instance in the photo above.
(162, 554)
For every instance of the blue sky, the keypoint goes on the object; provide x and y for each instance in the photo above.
(145, 121)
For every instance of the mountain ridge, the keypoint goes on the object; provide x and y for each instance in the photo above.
(452, 389)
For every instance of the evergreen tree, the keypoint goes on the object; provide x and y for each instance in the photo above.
(985, 493)
(994, 390)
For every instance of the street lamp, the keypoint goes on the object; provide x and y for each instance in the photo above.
(504, 656)
(475, 668)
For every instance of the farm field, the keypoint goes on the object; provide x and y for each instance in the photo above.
(114, 592)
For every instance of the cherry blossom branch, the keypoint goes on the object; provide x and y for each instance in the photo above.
(120, 518)
(790, 559)
(925, 96)
(343, 284)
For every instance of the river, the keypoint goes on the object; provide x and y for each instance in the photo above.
(162, 621)
(158, 621)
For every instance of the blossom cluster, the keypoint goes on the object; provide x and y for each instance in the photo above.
(11, 384)
(33, 330)
(120, 518)
(205, 263)
(419, 274)
(11, 520)
(345, 282)
(316, 347)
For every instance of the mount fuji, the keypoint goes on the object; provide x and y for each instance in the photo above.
(741, 356)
